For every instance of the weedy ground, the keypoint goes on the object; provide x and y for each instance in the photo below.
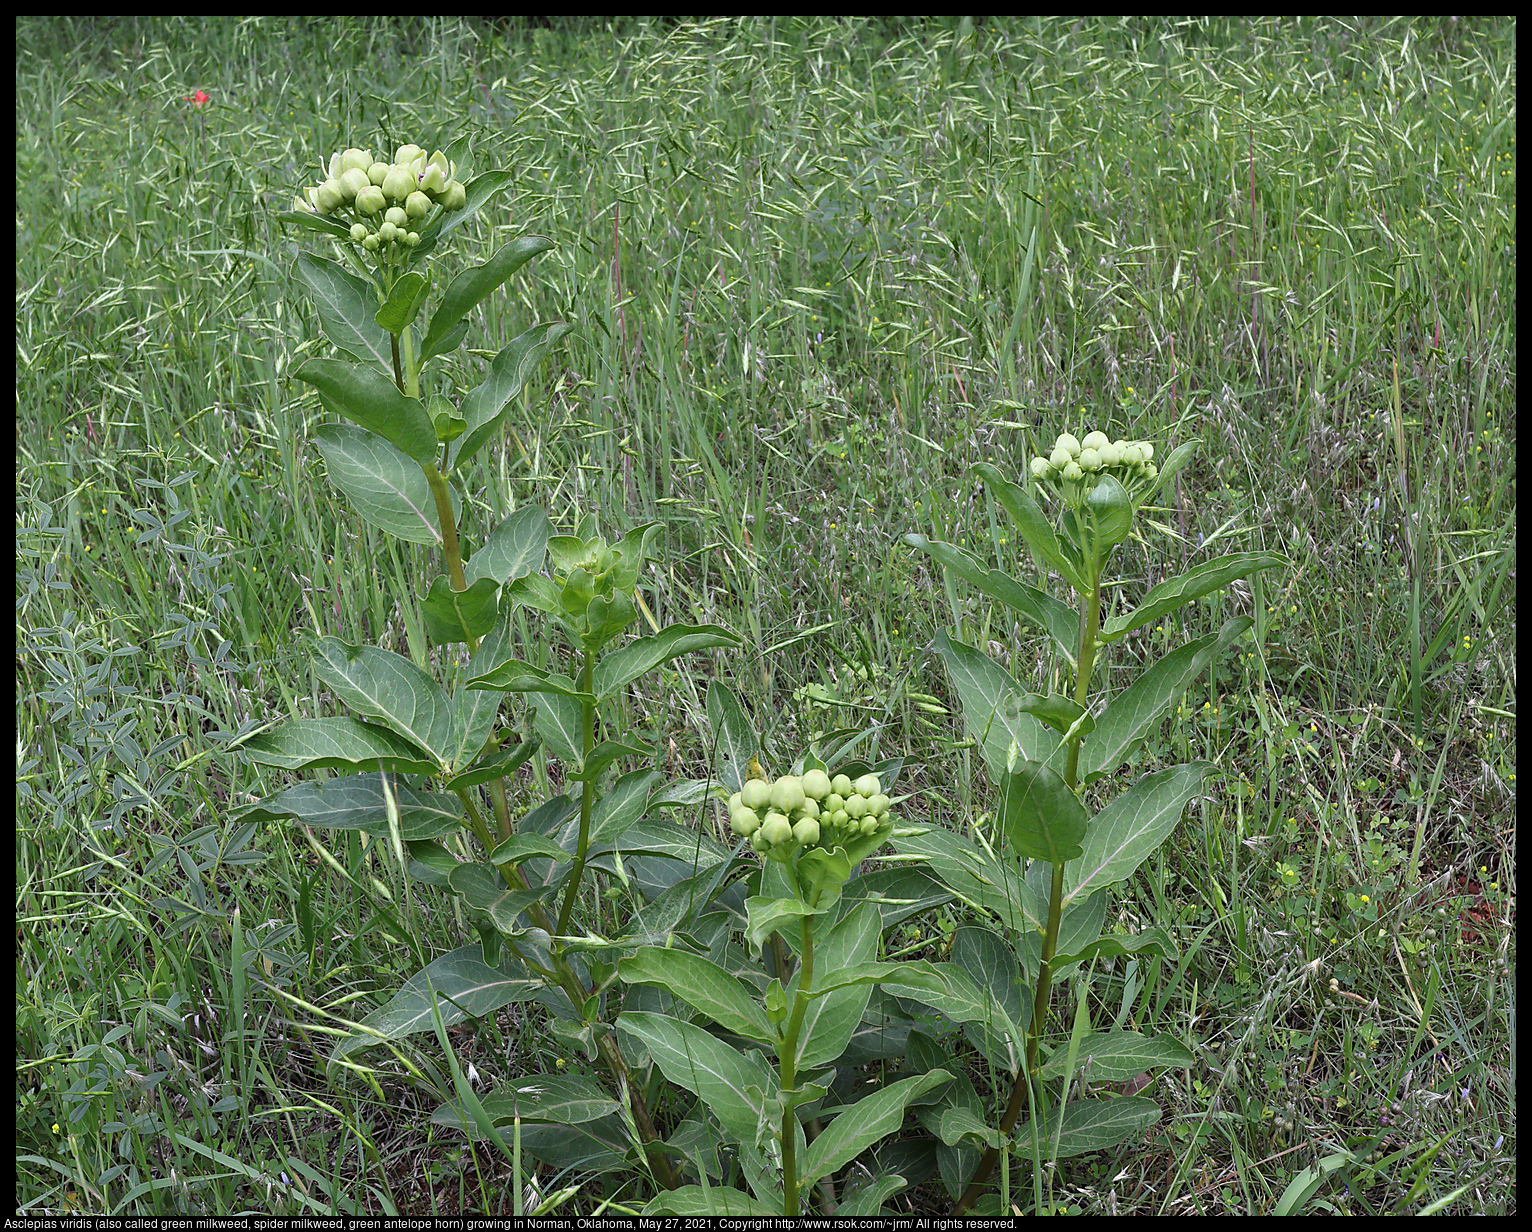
(817, 269)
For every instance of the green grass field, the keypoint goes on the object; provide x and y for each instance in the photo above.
(817, 270)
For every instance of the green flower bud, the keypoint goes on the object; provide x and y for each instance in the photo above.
(841, 785)
(1039, 467)
(370, 200)
(1089, 460)
(409, 154)
(329, 197)
(1111, 454)
(810, 808)
(358, 232)
(352, 181)
(370, 243)
(456, 196)
(1147, 449)
(758, 841)
(806, 832)
(744, 822)
(1151, 471)
(777, 829)
(736, 802)
(868, 786)
(755, 794)
(1067, 441)
(840, 819)
(856, 807)
(879, 805)
(1094, 440)
(398, 183)
(1073, 473)
(832, 802)
(412, 239)
(387, 232)
(816, 784)
(1060, 458)
(787, 793)
(869, 825)
(397, 216)
(1131, 454)
(377, 173)
(417, 205)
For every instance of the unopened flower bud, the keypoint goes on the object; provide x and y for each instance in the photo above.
(1067, 441)
(1094, 440)
(417, 205)
(371, 200)
(1039, 467)
(413, 239)
(408, 154)
(806, 832)
(456, 196)
(388, 232)
(358, 232)
(1073, 473)
(377, 173)
(1060, 458)
(329, 197)
(361, 159)
(352, 181)
(398, 183)
(370, 243)
(1089, 460)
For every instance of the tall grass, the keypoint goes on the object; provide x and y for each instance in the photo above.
(817, 268)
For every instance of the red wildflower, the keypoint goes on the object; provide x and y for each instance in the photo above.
(198, 98)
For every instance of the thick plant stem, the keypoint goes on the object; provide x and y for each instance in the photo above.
(1021, 1092)
(587, 793)
(789, 1058)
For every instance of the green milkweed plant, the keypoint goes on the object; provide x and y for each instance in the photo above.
(1044, 878)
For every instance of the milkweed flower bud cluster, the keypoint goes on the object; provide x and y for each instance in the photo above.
(1075, 466)
(386, 204)
(807, 811)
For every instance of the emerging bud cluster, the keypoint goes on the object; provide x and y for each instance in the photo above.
(807, 811)
(387, 203)
(1075, 466)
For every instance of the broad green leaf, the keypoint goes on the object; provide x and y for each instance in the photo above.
(387, 489)
(1032, 522)
(404, 303)
(514, 676)
(1080, 927)
(315, 222)
(767, 914)
(484, 407)
(477, 193)
(703, 985)
(558, 723)
(464, 987)
(732, 1084)
(557, 1099)
(357, 802)
(460, 615)
(976, 877)
(1040, 816)
(1129, 829)
(474, 285)
(734, 738)
(867, 1121)
(821, 873)
(1122, 726)
(521, 847)
(918, 974)
(368, 397)
(1115, 945)
(1092, 1125)
(647, 653)
(1183, 588)
(1107, 516)
(483, 889)
(513, 549)
(866, 1202)
(336, 743)
(962, 1126)
(474, 715)
(830, 1020)
(1065, 715)
(1042, 610)
(714, 1201)
(899, 892)
(500, 764)
(654, 836)
(379, 684)
(990, 699)
(622, 805)
(994, 968)
(605, 753)
(346, 304)
(1116, 1056)
(964, 999)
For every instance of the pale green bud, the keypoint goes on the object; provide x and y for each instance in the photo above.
(841, 785)
(806, 832)
(361, 159)
(755, 794)
(1089, 460)
(417, 205)
(408, 154)
(787, 793)
(370, 243)
(816, 784)
(370, 200)
(352, 181)
(856, 806)
(1073, 473)
(1094, 440)
(377, 173)
(777, 829)
(1039, 467)
(868, 786)
(879, 805)
(388, 232)
(1060, 458)
(1067, 441)
(412, 239)
(809, 808)
(1132, 455)
(358, 232)
(329, 198)
(744, 822)
(833, 803)
(456, 196)
(397, 216)
(1147, 449)
(398, 183)
(1111, 454)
